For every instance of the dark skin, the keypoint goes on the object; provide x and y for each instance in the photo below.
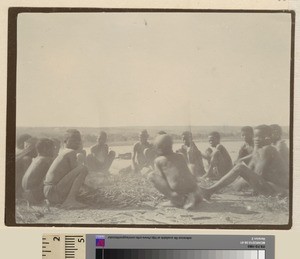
(218, 162)
(172, 176)
(192, 155)
(68, 173)
(245, 152)
(139, 159)
(100, 158)
(102, 155)
(280, 145)
(265, 172)
(32, 181)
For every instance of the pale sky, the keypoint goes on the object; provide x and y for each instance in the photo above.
(153, 69)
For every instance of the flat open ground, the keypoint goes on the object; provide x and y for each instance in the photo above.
(131, 199)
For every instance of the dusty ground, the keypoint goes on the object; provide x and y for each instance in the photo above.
(131, 199)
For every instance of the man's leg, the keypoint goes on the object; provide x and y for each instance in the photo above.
(110, 158)
(161, 184)
(69, 186)
(92, 163)
(150, 155)
(254, 180)
(230, 177)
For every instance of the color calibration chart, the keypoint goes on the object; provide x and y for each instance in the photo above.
(91, 246)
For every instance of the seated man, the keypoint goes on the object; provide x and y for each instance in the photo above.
(33, 180)
(280, 144)
(100, 158)
(23, 161)
(143, 153)
(67, 173)
(192, 154)
(244, 155)
(246, 149)
(219, 159)
(172, 176)
(266, 173)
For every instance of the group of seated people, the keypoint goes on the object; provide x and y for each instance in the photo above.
(44, 172)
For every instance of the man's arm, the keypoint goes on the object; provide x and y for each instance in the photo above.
(72, 159)
(261, 166)
(133, 160)
(94, 149)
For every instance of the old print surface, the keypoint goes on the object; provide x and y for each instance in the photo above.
(153, 118)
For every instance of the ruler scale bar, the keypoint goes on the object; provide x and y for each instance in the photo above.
(91, 246)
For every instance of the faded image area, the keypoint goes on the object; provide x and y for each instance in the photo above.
(153, 118)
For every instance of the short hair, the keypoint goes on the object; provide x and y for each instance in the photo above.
(247, 129)
(21, 139)
(72, 134)
(215, 134)
(43, 145)
(72, 138)
(277, 128)
(103, 133)
(163, 143)
(144, 133)
(267, 131)
(31, 141)
(187, 133)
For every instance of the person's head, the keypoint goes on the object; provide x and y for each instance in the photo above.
(276, 133)
(163, 144)
(161, 132)
(102, 137)
(73, 139)
(30, 147)
(187, 138)
(247, 134)
(262, 135)
(214, 138)
(45, 147)
(143, 136)
(21, 140)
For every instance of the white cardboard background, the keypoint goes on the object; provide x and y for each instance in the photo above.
(25, 242)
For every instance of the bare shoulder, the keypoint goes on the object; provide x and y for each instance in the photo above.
(220, 147)
(68, 153)
(136, 145)
(282, 145)
(160, 160)
(268, 151)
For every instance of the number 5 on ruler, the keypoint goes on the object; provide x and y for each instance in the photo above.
(63, 247)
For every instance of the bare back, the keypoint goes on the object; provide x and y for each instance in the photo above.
(174, 169)
(62, 165)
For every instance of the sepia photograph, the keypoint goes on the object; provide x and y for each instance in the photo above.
(150, 118)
